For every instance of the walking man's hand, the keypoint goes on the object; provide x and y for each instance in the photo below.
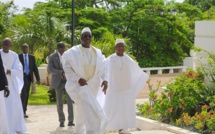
(82, 82)
(6, 92)
(105, 86)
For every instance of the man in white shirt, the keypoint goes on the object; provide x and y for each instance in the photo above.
(126, 79)
(84, 66)
(58, 82)
(14, 74)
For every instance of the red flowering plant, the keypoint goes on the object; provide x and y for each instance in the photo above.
(182, 95)
(203, 121)
(146, 108)
(188, 101)
(152, 95)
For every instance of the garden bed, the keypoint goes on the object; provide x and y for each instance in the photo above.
(188, 102)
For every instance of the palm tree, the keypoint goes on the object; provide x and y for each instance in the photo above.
(40, 31)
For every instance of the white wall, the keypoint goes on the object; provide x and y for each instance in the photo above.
(205, 39)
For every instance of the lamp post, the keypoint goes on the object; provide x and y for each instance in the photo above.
(73, 24)
(161, 12)
(169, 11)
(174, 12)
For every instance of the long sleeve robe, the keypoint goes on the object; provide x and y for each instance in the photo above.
(125, 79)
(13, 103)
(89, 114)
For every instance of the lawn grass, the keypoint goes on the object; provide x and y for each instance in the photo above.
(41, 97)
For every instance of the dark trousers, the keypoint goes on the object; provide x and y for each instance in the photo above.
(59, 95)
(25, 92)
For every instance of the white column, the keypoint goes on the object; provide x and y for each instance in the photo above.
(160, 71)
(148, 72)
(171, 71)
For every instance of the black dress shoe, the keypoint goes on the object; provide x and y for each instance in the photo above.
(62, 124)
(71, 124)
(25, 116)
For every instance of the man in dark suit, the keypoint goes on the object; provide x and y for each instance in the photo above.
(58, 82)
(3, 80)
(30, 68)
(5, 93)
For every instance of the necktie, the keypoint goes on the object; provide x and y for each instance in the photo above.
(26, 65)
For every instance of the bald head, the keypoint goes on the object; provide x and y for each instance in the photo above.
(6, 45)
(7, 39)
(25, 48)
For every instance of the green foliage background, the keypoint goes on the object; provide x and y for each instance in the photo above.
(153, 39)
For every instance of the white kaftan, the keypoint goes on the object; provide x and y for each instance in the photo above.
(13, 103)
(3, 115)
(125, 80)
(87, 63)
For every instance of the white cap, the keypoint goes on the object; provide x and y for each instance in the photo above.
(86, 29)
(119, 41)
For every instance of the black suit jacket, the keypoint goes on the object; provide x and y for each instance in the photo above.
(3, 79)
(32, 66)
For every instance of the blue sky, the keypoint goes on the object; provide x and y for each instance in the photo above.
(30, 3)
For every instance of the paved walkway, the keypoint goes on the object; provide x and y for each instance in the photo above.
(44, 119)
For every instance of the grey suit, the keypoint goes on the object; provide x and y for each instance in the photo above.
(58, 83)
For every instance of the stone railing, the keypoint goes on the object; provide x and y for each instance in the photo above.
(45, 77)
(160, 69)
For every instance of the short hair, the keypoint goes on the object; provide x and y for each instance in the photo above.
(60, 45)
(25, 45)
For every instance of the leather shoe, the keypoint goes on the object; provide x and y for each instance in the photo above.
(25, 116)
(62, 124)
(71, 124)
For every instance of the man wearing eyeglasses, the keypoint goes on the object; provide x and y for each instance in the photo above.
(85, 72)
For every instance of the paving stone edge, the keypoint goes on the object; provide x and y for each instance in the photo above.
(148, 124)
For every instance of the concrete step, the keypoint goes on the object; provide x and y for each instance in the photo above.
(152, 132)
(147, 132)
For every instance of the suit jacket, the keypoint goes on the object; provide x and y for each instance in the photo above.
(3, 79)
(56, 70)
(32, 66)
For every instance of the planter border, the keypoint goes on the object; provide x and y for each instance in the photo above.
(148, 124)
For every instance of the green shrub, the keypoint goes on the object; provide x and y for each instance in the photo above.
(202, 121)
(180, 96)
(39, 58)
(52, 95)
(180, 103)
